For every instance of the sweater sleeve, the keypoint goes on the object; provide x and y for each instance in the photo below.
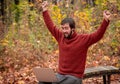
(50, 25)
(98, 34)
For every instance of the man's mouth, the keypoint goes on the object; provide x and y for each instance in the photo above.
(65, 34)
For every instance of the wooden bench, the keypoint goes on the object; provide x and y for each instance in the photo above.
(105, 71)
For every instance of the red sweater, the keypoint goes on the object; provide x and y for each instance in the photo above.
(73, 51)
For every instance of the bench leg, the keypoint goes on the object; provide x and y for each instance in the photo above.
(108, 78)
(104, 79)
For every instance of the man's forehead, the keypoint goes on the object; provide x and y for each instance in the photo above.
(66, 24)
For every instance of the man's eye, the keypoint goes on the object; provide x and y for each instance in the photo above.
(66, 28)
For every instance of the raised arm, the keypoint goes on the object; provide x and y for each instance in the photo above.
(49, 23)
(97, 35)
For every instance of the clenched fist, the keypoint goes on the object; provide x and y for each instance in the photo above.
(44, 5)
(106, 15)
(38, 4)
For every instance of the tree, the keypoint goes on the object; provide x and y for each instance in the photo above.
(2, 10)
(16, 2)
(2, 19)
(90, 2)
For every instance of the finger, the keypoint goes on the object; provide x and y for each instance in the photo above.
(104, 11)
(108, 12)
(45, 3)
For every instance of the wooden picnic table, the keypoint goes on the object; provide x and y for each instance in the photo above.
(105, 71)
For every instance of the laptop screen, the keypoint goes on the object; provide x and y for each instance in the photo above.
(45, 74)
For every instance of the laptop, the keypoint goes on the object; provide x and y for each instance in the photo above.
(45, 74)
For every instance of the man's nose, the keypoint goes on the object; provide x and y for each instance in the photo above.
(64, 30)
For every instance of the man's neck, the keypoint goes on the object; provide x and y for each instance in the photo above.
(70, 36)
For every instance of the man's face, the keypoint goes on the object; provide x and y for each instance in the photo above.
(66, 30)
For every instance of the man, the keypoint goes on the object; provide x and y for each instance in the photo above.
(73, 47)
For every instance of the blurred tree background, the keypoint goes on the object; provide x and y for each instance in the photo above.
(25, 41)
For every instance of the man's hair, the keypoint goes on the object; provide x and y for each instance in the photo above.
(70, 21)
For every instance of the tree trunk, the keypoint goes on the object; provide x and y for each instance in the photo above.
(2, 10)
(91, 2)
(2, 19)
(72, 2)
(31, 1)
(17, 14)
(16, 2)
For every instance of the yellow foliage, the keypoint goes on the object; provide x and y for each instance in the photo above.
(106, 58)
(31, 4)
(57, 51)
(21, 82)
(53, 40)
(118, 65)
(4, 42)
(56, 14)
(83, 19)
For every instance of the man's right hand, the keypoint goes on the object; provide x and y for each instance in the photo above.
(44, 5)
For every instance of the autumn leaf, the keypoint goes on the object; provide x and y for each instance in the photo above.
(106, 58)
(21, 82)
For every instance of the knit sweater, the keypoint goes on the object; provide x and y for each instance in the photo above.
(73, 51)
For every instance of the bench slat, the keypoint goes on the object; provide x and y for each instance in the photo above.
(100, 71)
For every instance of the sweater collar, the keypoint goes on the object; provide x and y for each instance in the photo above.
(73, 35)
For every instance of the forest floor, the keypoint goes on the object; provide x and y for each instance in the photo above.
(16, 67)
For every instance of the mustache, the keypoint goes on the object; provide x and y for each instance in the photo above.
(67, 35)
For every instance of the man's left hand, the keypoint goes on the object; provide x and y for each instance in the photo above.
(106, 15)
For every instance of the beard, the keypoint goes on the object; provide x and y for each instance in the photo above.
(66, 35)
